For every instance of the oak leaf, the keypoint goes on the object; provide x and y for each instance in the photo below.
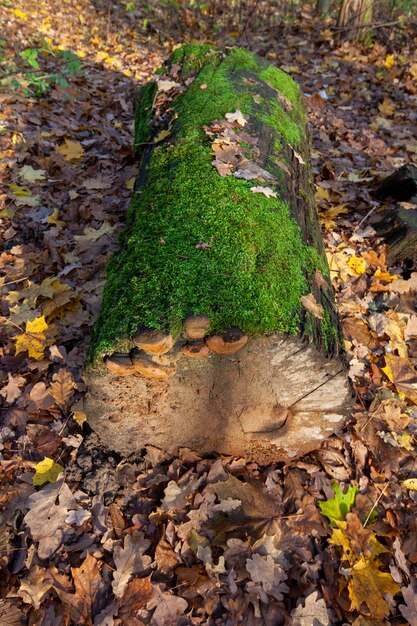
(11, 392)
(45, 519)
(313, 612)
(129, 560)
(35, 586)
(236, 117)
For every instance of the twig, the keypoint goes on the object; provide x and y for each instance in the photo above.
(375, 505)
(340, 29)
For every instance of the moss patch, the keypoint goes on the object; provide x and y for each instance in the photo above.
(201, 243)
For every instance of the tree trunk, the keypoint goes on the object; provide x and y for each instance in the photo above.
(354, 19)
(323, 6)
(218, 318)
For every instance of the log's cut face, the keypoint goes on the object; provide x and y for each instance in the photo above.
(218, 329)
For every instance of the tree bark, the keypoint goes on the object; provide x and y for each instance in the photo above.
(218, 320)
(355, 18)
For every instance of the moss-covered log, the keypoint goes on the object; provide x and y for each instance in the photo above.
(218, 329)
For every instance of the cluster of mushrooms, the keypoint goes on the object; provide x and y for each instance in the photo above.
(147, 357)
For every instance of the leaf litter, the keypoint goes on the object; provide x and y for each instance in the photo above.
(90, 538)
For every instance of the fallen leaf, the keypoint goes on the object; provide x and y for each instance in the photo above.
(409, 609)
(62, 387)
(129, 560)
(12, 391)
(35, 586)
(367, 586)
(410, 483)
(269, 193)
(336, 509)
(402, 374)
(32, 175)
(358, 265)
(88, 584)
(310, 303)
(45, 519)
(34, 339)
(46, 471)
(236, 117)
(72, 151)
(312, 611)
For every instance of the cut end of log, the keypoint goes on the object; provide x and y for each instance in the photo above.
(275, 400)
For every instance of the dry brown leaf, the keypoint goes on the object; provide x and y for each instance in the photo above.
(11, 392)
(35, 586)
(117, 519)
(129, 560)
(310, 303)
(62, 387)
(88, 584)
(402, 374)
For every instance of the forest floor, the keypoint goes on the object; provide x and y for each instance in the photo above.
(90, 538)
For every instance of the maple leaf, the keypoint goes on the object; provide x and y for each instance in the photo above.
(366, 586)
(336, 509)
(269, 193)
(32, 175)
(62, 387)
(129, 560)
(310, 303)
(34, 339)
(72, 151)
(46, 471)
(11, 392)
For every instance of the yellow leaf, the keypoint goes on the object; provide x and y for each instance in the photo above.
(47, 471)
(387, 107)
(34, 339)
(402, 374)
(389, 61)
(54, 218)
(80, 417)
(357, 264)
(162, 135)
(322, 194)
(410, 483)
(20, 14)
(71, 150)
(413, 70)
(18, 190)
(130, 183)
(366, 586)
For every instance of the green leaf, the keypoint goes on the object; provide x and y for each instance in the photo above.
(30, 56)
(338, 507)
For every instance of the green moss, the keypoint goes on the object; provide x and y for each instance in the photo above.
(143, 114)
(201, 243)
(282, 82)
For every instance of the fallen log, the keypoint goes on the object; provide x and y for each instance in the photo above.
(218, 329)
